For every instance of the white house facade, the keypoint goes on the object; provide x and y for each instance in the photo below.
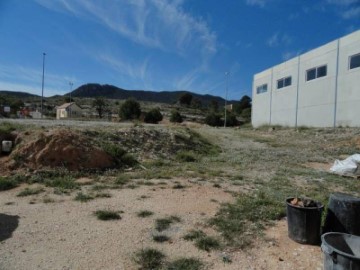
(68, 110)
(320, 88)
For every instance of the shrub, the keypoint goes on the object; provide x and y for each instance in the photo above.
(30, 191)
(194, 234)
(149, 258)
(231, 119)
(130, 109)
(154, 116)
(145, 213)
(185, 264)
(207, 243)
(213, 119)
(83, 197)
(186, 156)
(160, 238)
(163, 224)
(175, 117)
(107, 215)
(6, 184)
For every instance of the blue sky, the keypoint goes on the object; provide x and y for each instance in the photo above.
(161, 44)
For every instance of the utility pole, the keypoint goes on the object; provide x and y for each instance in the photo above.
(42, 86)
(226, 93)
(71, 85)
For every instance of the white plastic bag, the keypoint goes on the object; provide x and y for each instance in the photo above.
(346, 166)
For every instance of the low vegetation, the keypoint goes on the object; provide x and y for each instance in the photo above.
(145, 213)
(7, 183)
(149, 258)
(163, 224)
(107, 215)
(30, 191)
(186, 264)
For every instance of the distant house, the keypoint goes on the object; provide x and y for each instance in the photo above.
(68, 110)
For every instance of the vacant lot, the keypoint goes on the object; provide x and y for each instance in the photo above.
(176, 197)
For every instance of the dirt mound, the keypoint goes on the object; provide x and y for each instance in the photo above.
(61, 148)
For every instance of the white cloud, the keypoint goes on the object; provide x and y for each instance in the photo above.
(134, 70)
(160, 24)
(290, 54)
(260, 3)
(19, 78)
(342, 2)
(351, 13)
(278, 39)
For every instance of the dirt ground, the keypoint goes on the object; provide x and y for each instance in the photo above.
(54, 231)
(66, 235)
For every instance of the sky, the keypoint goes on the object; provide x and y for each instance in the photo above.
(161, 45)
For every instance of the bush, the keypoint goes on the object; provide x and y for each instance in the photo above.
(107, 215)
(149, 258)
(130, 109)
(175, 117)
(154, 116)
(231, 119)
(213, 119)
(6, 184)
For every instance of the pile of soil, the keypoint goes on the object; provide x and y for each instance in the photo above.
(60, 148)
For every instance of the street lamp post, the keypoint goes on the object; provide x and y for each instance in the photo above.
(226, 94)
(42, 85)
(71, 85)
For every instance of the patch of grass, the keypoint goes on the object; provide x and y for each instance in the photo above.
(238, 222)
(145, 213)
(217, 185)
(99, 187)
(30, 191)
(82, 197)
(102, 195)
(162, 224)
(7, 183)
(161, 238)
(62, 184)
(185, 264)
(119, 154)
(107, 215)
(122, 180)
(207, 243)
(194, 234)
(149, 259)
(186, 156)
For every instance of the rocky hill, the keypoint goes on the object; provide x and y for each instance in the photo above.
(113, 92)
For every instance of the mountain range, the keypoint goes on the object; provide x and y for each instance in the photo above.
(92, 90)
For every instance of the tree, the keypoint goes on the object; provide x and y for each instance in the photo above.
(175, 117)
(213, 119)
(196, 103)
(231, 120)
(246, 114)
(154, 116)
(245, 103)
(214, 106)
(185, 99)
(100, 105)
(130, 109)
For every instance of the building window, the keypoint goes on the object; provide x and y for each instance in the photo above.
(314, 73)
(261, 89)
(355, 61)
(284, 82)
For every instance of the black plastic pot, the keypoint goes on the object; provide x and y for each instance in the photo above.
(341, 251)
(304, 223)
(343, 214)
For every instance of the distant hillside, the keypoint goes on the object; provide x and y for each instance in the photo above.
(113, 92)
(20, 95)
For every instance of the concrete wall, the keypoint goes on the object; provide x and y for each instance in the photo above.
(332, 100)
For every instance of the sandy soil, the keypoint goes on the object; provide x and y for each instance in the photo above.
(66, 235)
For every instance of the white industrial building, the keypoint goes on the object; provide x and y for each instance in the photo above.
(320, 88)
